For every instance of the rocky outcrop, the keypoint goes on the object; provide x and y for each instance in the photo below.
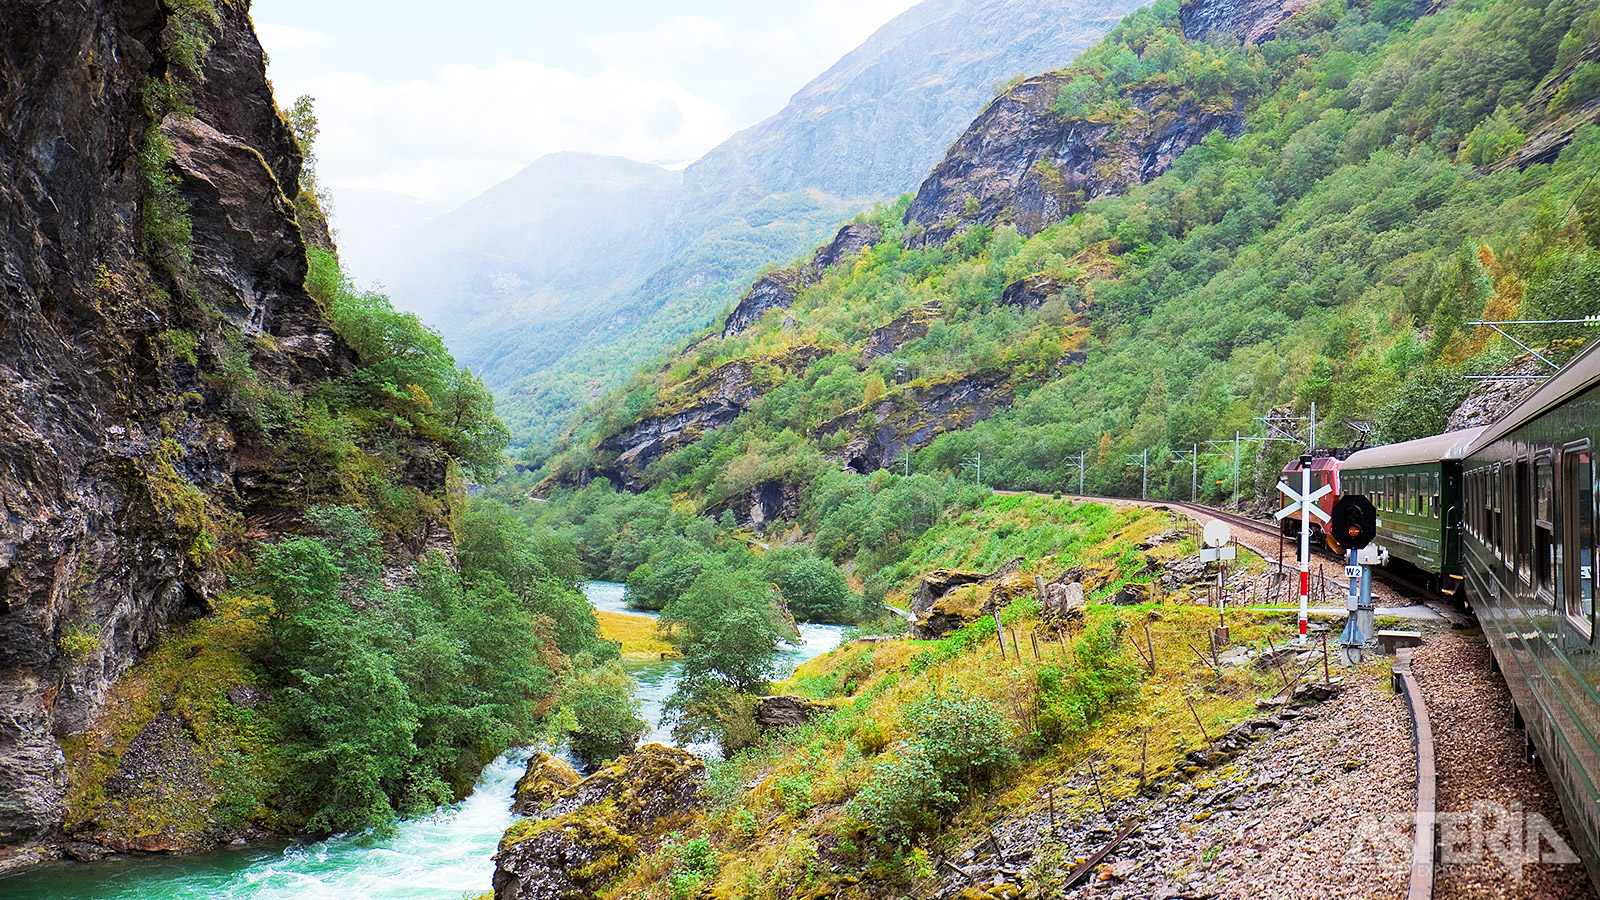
(543, 781)
(1250, 21)
(947, 599)
(709, 401)
(782, 711)
(768, 503)
(778, 290)
(1023, 164)
(914, 416)
(1491, 398)
(774, 290)
(903, 329)
(132, 465)
(721, 395)
(585, 834)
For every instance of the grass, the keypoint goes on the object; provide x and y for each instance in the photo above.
(638, 635)
(778, 812)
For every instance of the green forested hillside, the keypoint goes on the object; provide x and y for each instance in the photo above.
(1381, 196)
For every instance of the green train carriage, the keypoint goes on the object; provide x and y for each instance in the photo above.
(1417, 488)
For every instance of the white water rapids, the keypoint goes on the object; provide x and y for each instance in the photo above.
(444, 856)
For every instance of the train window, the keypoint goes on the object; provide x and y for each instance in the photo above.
(1578, 496)
(1389, 492)
(1522, 520)
(1433, 494)
(1497, 521)
(1546, 549)
(1412, 495)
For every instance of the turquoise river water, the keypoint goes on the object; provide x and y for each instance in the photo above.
(444, 856)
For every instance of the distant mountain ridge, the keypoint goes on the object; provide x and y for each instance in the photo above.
(874, 123)
(552, 309)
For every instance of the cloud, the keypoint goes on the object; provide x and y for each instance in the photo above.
(289, 39)
(446, 138)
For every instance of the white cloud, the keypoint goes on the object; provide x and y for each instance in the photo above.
(449, 137)
(289, 39)
(669, 91)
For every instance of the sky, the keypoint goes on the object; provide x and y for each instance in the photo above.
(441, 101)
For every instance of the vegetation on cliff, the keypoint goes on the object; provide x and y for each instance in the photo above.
(1377, 200)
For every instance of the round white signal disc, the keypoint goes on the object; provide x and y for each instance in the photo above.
(1216, 533)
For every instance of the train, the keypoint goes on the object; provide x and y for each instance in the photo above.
(1503, 517)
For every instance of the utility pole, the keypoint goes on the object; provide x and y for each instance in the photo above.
(1194, 468)
(1144, 466)
(1079, 462)
(905, 457)
(974, 462)
(1311, 443)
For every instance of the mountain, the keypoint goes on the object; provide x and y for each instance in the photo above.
(567, 229)
(873, 123)
(1146, 251)
(552, 309)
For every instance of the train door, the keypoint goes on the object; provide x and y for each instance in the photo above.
(1577, 476)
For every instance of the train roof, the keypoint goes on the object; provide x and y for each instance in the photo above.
(1451, 445)
(1578, 375)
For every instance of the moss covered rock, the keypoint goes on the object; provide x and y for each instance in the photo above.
(580, 836)
(545, 779)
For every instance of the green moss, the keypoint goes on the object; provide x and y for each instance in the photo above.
(188, 674)
(166, 233)
(79, 642)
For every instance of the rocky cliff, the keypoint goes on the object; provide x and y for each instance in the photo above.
(778, 290)
(1025, 164)
(153, 269)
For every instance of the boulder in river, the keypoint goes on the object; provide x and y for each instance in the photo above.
(584, 834)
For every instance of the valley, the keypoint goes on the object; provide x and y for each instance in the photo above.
(755, 528)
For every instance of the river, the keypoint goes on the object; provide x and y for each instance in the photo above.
(444, 856)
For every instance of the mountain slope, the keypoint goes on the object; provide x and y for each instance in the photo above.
(550, 340)
(871, 125)
(1331, 251)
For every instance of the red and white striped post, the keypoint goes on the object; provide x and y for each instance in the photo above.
(1305, 542)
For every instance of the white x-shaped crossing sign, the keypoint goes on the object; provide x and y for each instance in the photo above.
(1311, 503)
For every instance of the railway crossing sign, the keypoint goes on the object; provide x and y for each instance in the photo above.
(1310, 502)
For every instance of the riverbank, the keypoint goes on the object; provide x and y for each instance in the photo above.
(640, 640)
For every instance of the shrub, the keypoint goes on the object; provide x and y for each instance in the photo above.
(958, 743)
(606, 716)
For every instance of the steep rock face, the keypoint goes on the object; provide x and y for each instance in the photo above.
(946, 599)
(774, 290)
(723, 394)
(901, 330)
(579, 837)
(913, 418)
(129, 467)
(1022, 164)
(1252, 21)
(778, 290)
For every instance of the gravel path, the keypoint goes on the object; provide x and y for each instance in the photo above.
(1314, 816)
(1480, 761)
(1319, 804)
